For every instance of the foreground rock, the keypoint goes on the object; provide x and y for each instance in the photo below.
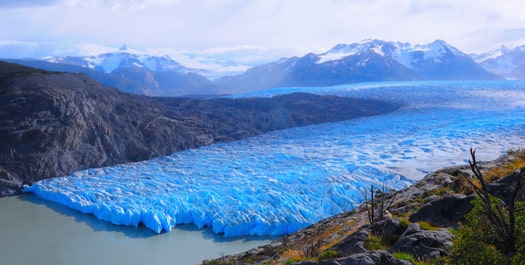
(423, 244)
(53, 124)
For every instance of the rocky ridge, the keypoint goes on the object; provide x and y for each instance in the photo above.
(416, 228)
(53, 124)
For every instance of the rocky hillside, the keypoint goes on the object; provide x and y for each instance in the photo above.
(416, 228)
(54, 124)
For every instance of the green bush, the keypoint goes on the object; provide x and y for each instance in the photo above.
(376, 243)
(427, 226)
(477, 243)
(329, 254)
(407, 257)
(468, 249)
(403, 224)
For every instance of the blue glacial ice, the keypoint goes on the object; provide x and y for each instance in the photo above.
(282, 181)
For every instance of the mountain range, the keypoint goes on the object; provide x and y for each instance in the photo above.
(505, 62)
(366, 61)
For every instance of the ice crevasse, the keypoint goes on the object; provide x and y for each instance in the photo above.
(283, 181)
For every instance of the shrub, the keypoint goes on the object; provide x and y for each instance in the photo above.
(376, 243)
(403, 224)
(476, 241)
(407, 257)
(329, 254)
(427, 226)
(468, 249)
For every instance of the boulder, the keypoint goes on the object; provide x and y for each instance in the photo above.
(423, 244)
(353, 244)
(504, 188)
(387, 227)
(444, 212)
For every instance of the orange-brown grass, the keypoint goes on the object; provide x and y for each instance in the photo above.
(293, 254)
(505, 170)
(492, 174)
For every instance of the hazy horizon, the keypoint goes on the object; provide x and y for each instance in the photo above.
(249, 32)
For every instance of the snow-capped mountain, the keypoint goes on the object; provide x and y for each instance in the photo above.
(405, 53)
(132, 71)
(508, 63)
(123, 58)
(370, 60)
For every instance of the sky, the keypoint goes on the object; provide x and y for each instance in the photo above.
(251, 31)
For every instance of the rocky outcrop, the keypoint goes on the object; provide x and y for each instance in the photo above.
(444, 212)
(504, 188)
(53, 124)
(423, 244)
(353, 244)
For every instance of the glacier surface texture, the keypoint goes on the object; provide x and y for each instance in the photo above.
(283, 181)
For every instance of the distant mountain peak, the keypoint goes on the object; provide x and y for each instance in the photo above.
(123, 47)
(508, 63)
(403, 52)
(365, 61)
(443, 47)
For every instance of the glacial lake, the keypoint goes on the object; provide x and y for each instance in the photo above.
(35, 231)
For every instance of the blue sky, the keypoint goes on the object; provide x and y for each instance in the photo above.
(251, 30)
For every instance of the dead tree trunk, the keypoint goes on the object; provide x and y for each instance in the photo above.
(501, 214)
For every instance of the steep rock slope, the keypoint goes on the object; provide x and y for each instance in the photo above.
(53, 124)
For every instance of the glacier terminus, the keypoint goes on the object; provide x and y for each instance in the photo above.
(280, 182)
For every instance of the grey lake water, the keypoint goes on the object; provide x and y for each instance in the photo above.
(34, 231)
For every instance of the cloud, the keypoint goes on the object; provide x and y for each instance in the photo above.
(28, 3)
(271, 25)
(141, 4)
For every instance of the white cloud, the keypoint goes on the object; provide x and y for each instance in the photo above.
(273, 25)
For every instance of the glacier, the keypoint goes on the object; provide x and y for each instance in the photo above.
(282, 181)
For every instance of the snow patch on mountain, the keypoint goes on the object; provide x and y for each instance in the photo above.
(404, 53)
(508, 63)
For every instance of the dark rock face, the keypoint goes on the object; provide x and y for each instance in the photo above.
(424, 244)
(53, 124)
(504, 188)
(387, 227)
(444, 212)
(353, 244)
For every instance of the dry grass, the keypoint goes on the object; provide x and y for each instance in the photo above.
(499, 172)
(494, 173)
(293, 254)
